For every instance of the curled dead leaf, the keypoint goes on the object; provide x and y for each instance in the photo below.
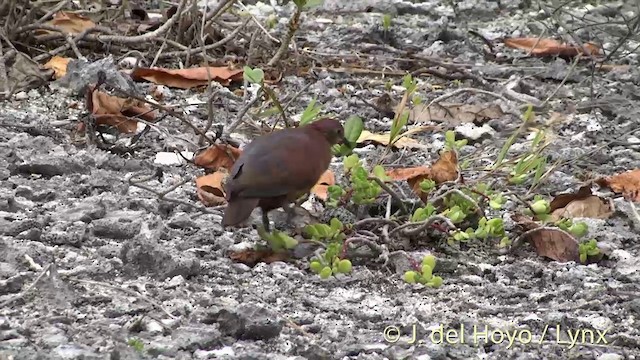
(455, 114)
(217, 156)
(549, 242)
(322, 186)
(210, 190)
(251, 257)
(443, 170)
(59, 66)
(549, 47)
(118, 112)
(187, 78)
(627, 184)
(580, 204)
(68, 22)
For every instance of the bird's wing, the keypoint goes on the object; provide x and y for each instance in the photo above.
(269, 169)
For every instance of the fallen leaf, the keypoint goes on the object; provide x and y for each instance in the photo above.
(627, 184)
(443, 170)
(210, 190)
(217, 156)
(555, 244)
(59, 66)
(117, 112)
(68, 22)
(322, 186)
(549, 47)
(251, 257)
(446, 168)
(187, 78)
(455, 114)
(383, 139)
(580, 204)
(549, 242)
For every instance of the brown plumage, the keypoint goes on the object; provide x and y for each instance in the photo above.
(276, 169)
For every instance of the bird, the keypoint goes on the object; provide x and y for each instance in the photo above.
(276, 169)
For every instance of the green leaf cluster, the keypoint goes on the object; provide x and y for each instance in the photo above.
(423, 213)
(487, 228)
(277, 240)
(364, 191)
(450, 142)
(425, 275)
(588, 248)
(324, 232)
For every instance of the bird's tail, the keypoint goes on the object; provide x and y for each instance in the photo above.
(238, 210)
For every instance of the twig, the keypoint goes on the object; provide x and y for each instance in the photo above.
(294, 23)
(210, 92)
(74, 47)
(385, 228)
(128, 291)
(421, 226)
(463, 90)
(162, 195)
(368, 221)
(358, 239)
(190, 52)
(241, 114)
(42, 19)
(4, 83)
(259, 24)
(458, 192)
(390, 192)
(217, 11)
(566, 77)
(33, 284)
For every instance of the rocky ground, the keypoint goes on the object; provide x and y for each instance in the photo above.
(92, 267)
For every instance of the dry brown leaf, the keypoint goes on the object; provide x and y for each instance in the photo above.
(549, 47)
(555, 244)
(455, 114)
(383, 139)
(217, 156)
(118, 112)
(210, 190)
(580, 204)
(322, 186)
(444, 169)
(68, 22)
(551, 243)
(251, 257)
(627, 184)
(187, 78)
(59, 66)
(592, 207)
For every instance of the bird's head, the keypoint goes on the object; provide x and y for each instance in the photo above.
(331, 129)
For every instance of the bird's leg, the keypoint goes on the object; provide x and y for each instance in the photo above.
(304, 198)
(291, 212)
(265, 221)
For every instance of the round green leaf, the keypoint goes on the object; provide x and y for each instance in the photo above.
(325, 272)
(316, 266)
(344, 266)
